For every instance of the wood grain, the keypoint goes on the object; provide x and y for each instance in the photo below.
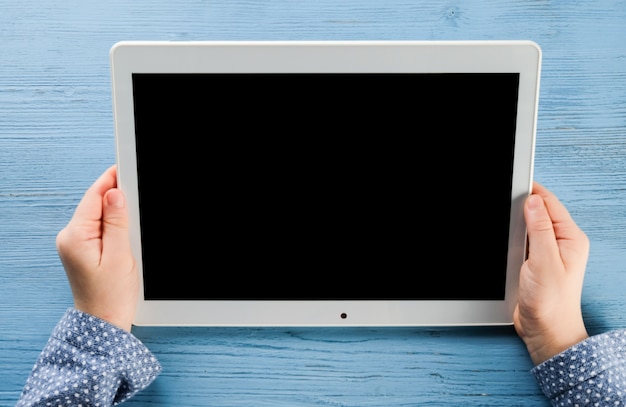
(56, 137)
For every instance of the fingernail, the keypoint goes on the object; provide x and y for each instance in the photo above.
(535, 202)
(115, 198)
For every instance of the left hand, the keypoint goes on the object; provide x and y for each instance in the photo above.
(95, 250)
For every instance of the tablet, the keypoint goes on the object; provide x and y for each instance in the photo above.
(326, 183)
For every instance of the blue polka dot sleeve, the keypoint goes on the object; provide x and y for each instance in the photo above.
(88, 362)
(591, 373)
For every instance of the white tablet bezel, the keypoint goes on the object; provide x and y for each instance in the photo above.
(524, 57)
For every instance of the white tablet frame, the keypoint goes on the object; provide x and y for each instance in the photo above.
(519, 56)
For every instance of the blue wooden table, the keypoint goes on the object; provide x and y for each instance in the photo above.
(56, 137)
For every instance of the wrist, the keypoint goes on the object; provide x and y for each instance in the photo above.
(118, 319)
(541, 348)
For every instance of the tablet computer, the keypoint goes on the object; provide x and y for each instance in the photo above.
(326, 183)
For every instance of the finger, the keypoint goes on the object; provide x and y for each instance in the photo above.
(115, 238)
(542, 242)
(562, 222)
(90, 207)
(572, 241)
(79, 240)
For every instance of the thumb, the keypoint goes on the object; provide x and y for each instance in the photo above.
(542, 243)
(115, 237)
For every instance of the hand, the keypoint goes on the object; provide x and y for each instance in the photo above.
(95, 251)
(548, 315)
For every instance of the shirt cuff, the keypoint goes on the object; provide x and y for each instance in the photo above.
(587, 371)
(89, 359)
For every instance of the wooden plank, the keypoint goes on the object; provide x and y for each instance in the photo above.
(56, 137)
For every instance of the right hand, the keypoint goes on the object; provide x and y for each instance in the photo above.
(548, 316)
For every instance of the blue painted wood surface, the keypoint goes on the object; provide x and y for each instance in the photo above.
(56, 137)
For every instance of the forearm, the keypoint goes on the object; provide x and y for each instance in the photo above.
(88, 362)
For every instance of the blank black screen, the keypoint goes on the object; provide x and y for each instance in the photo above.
(325, 186)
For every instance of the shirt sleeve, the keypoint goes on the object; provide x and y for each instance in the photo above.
(88, 362)
(591, 373)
